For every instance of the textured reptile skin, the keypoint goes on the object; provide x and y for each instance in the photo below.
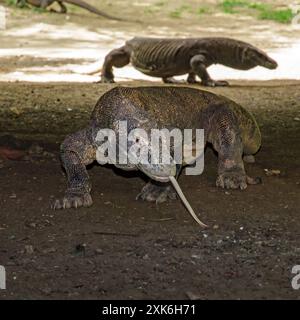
(230, 129)
(166, 58)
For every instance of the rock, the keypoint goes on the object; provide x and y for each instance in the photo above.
(32, 225)
(272, 172)
(29, 249)
(49, 250)
(35, 149)
(11, 154)
(80, 249)
(99, 251)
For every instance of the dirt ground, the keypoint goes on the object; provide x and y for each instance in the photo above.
(121, 248)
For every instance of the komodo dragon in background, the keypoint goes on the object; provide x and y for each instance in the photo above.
(63, 9)
(166, 58)
(232, 131)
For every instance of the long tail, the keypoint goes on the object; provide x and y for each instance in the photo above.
(92, 9)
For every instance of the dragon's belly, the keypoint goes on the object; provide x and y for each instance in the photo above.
(160, 58)
(158, 69)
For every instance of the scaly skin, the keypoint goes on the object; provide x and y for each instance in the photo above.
(166, 58)
(232, 131)
(63, 9)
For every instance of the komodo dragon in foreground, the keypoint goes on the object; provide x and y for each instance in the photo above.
(63, 9)
(166, 58)
(232, 131)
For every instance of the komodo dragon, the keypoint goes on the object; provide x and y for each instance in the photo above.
(166, 58)
(232, 131)
(63, 9)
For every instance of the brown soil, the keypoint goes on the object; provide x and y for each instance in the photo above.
(122, 248)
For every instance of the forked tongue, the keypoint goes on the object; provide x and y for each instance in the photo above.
(186, 203)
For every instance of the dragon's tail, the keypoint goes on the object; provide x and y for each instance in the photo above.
(92, 9)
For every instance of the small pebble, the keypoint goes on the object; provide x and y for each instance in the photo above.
(272, 172)
(99, 251)
(29, 249)
(32, 225)
(49, 250)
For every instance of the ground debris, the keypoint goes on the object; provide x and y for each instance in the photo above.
(193, 296)
(29, 249)
(272, 172)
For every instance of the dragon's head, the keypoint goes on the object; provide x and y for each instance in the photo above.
(259, 58)
(155, 161)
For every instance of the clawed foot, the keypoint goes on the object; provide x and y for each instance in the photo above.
(106, 80)
(157, 193)
(173, 81)
(232, 180)
(193, 81)
(235, 180)
(214, 83)
(73, 201)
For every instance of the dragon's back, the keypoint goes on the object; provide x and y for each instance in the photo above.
(161, 56)
(168, 105)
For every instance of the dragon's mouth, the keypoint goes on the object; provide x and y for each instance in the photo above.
(160, 173)
(167, 174)
(159, 178)
(164, 177)
(271, 64)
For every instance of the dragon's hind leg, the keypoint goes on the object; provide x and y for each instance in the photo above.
(77, 151)
(225, 136)
(116, 58)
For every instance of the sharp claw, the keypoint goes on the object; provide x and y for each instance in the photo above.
(73, 202)
(243, 186)
(106, 80)
(66, 204)
(87, 200)
(138, 197)
(56, 205)
(232, 181)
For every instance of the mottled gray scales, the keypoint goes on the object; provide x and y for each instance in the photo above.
(166, 58)
(232, 131)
